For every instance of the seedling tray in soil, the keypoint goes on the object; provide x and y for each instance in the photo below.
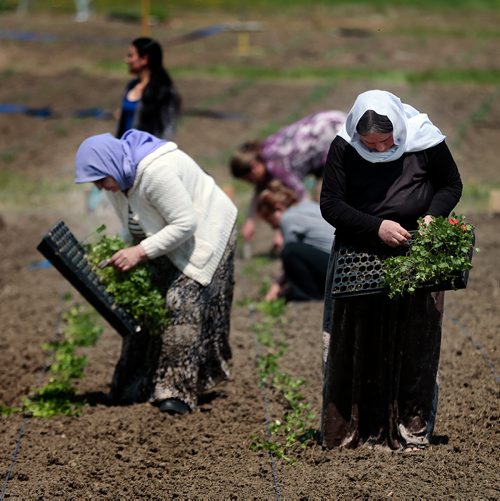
(359, 270)
(67, 255)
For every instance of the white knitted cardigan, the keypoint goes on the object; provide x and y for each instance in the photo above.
(183, 213)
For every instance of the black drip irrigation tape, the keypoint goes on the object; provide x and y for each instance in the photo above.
(98, 113)
(267, 418)
(25, 420)
(477, 345)
(14, 457)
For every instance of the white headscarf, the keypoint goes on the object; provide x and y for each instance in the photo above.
(412, 131)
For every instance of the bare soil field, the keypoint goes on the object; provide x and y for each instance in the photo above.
(135, 451)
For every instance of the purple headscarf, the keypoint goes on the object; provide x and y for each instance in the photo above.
(103, 155)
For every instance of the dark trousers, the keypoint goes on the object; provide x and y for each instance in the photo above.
(305, 269)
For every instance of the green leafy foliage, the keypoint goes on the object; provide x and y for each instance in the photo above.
(134, 289)
(272, 309)
(54, 399)
(439, 252)
(293, 429)
(254, 265)
(81, 327)
(58, 396)
(7, 411)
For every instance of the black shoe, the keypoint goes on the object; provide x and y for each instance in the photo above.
(174, 406)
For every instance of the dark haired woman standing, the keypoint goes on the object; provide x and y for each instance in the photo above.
(151, 102)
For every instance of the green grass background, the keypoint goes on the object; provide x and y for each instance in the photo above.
(164, 8)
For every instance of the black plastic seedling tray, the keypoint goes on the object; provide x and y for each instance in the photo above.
(358, 270)
(67, 255)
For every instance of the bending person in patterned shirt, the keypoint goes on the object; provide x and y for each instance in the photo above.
(289, 155)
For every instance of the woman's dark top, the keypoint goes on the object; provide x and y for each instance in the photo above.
(156, 112)
(129, 109)
(357, 195)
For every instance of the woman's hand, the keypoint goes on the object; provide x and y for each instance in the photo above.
(126, 259)
(393, 234)
(278, 241)
(248, 229)
(273, 292)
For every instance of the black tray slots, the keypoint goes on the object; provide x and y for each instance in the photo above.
(357, 273)
(67, 255)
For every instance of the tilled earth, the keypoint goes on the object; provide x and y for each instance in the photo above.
(135, 452)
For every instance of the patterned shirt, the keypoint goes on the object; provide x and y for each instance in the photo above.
(300, 149)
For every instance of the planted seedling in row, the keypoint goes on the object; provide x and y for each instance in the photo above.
(293, 430)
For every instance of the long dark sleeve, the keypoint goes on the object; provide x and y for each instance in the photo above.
(334, 201)
(446, 180)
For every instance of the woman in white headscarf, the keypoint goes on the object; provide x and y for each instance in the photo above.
(387, 167)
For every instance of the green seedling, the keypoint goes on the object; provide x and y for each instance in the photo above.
(133, 290)
(251, 268)
(7, 411)
(58, 397)
(293, 430)
(439, 253)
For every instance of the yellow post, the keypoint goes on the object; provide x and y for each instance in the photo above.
(243, 43)
(145, 18)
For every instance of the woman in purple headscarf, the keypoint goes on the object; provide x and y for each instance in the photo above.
(175, 214)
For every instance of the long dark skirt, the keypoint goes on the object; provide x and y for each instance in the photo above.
(193, 353)
(380, 371)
